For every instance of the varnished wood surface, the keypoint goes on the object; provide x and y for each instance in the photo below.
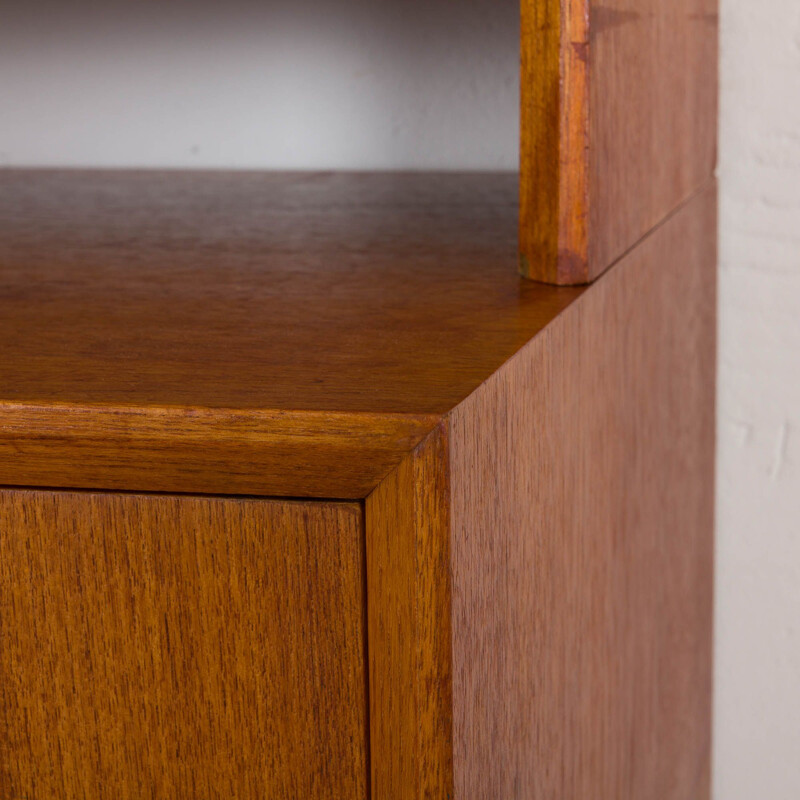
(164, 647)
(619, 115)
(211, 451)
(581, 480)
(554, 141)
(247, 332)
(408, 591)
(653, 115)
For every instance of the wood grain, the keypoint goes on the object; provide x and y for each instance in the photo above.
(212, 451)
(408, 551)
(154, 646)
(619, 115)
(248, 332)
(653, 115)
(554, 141)
(582, 552)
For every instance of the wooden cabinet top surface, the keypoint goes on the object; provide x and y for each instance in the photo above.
(142, 306)
(361, 293)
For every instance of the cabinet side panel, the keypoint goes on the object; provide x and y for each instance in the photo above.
(653, 115)
(582, 543)
(180, 647)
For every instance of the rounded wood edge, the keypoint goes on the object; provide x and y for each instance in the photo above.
(204, 451)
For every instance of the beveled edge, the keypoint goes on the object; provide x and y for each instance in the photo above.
(263, 452)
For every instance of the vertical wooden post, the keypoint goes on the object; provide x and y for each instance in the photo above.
(618, 126)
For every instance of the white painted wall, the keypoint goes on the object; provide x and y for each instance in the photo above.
(276, 83)
(407, 83)
(757, 748)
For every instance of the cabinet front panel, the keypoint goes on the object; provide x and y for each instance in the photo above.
(161, 646)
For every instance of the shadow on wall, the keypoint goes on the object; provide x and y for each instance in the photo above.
(274, 84)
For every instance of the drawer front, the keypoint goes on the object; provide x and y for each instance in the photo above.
(162, 646)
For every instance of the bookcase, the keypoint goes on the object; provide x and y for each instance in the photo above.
(308, 493)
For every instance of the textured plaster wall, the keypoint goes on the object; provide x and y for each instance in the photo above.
(757, 747)
(407, 83)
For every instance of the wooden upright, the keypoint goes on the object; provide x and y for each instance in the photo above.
(306, 493)
(619, 126)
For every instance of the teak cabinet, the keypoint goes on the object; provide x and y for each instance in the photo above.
(306, 493)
